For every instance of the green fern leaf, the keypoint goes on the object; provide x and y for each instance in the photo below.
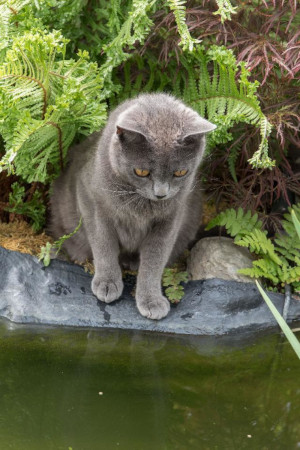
(46, 100)
(237, 223)
(178, 8)
(258, 243)
(288, 241)
(279, 263)
(262, 268)
(225, 9)
(223, 99)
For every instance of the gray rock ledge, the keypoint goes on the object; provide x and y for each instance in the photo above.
(61, 295)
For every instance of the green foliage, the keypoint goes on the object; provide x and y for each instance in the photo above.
(257, 242)
(278, 259)
(263, 267)
(45, 101)
(209, 83)
(281, 322)
(33, 209)
(9, 22)
(172, 279)
(237, 223)
(225, 9)
(148, 79)
(211, 89)
(135, 29)
(45, 254)
(288, 244)
(296, 223)
(51, 93)
(178, 8)
(60, 14)
(232, 158)
(47, 98)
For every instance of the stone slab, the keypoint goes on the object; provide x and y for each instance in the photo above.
(61, 295)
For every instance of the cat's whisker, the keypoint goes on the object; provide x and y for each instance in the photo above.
(190, 154)
(141, 202)
(192, 188)
(119, 192)
(131, 203)
(178, 201)
(128, 202)
(123, 185)
(118, 184)
(110, 190)
(196, 184)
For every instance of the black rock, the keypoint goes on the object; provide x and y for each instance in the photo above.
(61, 295)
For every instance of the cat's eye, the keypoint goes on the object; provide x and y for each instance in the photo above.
(142, 172)
(180, 173)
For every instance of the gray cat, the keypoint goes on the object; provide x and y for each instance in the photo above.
(135, 186)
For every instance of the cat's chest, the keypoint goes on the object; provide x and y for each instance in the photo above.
(131, 232)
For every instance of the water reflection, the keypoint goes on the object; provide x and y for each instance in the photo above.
(87, 390)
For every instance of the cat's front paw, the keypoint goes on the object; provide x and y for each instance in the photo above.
(107, 290)
(154, 307)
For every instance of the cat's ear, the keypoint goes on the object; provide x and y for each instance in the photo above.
(127, 135)
(199, 126)
(197, 130)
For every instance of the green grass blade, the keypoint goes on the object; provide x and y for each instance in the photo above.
(296, 222)
(281, 322)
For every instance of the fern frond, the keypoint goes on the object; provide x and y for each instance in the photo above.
(288, 242)
(258, 243)
(113, 23)
(135, 29)
(178, 8)
(45, 101)
(295, 216)
(261, 159)
(217, 95)
(289, 274)
(34, 209)
(237, 223)
(45, 254)
(225, 9)
(232, 158)
(5, 14)
(262, 268)
(279, 263)
(8, 9)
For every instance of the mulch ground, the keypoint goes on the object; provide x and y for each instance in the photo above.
(19, 236)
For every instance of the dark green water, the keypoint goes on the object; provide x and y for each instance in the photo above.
(159, 392)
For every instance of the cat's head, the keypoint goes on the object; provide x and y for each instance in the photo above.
(157, 145)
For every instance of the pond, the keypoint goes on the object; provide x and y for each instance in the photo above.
(89, 390)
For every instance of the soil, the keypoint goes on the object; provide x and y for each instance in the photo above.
(19, 236)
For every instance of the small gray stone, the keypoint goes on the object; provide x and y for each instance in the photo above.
(219, 257)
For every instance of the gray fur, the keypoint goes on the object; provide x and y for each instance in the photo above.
(123, 220)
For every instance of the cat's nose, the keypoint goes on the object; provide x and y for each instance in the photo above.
(160, 189)
(160, 196)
